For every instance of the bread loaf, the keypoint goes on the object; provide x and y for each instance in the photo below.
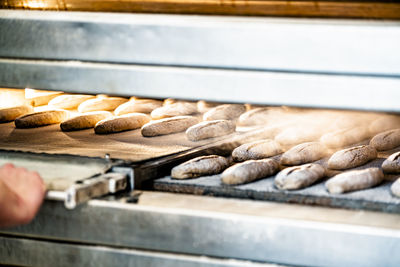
(210, 129)
(395, 188)
(352, 157)
(303, 153)
(257, 116)
(168, 125)
(69, 101)
(200, 166)
(84, 121)
(256, 150)
(384, 123)
(354, 180)
(121, 123)
(392, 163)
(203, 106)
(386, 140)
(298, 177)
(249, 171)
(40, 97)
(10, 114)
(138, 106)
(101, 104)
(224, 112)
(174, 109)
(41, 118)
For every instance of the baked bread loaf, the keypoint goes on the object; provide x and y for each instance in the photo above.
(392, 163)
(210, 129)
(200, 166)
(256, 150)
(69, 101)
(138, 106)
(203, 106)
(42, 118)
(298, 177)
(101, 104)
(352, 157)
(121, 123)
(354, 180)
(40, 97)
(249, 171)
(174, 109)
(84, 121)
(168, 125)
(224, 112)
(303, 153)
(10, 114)
(386, 140)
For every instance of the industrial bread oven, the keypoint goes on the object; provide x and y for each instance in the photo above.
(123, 208)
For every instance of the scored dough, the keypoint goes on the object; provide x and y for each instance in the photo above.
(210, 129)
(224, 112)
(303, 153)
(200, 166)
(298, 177)
(174, 109)
(392, 163)
(121, 123)
(386, 140)
(256, 150)
(352, 157)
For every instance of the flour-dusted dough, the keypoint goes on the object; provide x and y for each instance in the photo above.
(69, 101)
(386, 140)
(392, 163)
(298, 177)
(210, 129)
(121, 123)
(224, 112)
(352, 157)
(138, 106)
(101, 104)
(203, 106)
(395, 188)
(354, 180)
(10, 114)
(41, 118)
(303, 153)
(84, 121)
(249, 171)
(345, 137)
(256, 150)
(200, 166)
(384, 123)
(256, 116)
(168, 125)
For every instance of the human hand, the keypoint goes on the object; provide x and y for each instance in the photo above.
(21, 194)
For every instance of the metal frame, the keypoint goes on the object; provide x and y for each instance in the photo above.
(300, 62)
(218, 234)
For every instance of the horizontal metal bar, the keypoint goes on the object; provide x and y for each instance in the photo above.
(274, 88)
(28, 252)
(333, 46)
(219, 234)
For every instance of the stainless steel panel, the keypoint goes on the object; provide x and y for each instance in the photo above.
(274, 88)
(28, 252)
(219, 234)
(305, 45)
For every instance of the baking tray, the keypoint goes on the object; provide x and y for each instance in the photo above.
(378, 198)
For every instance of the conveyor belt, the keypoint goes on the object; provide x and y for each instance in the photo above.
(378, 198)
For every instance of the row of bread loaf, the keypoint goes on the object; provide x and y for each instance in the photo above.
(297, 167)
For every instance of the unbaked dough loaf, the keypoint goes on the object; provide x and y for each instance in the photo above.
(138, 105)
(384, 123)
(10, 114)
(84, 121)
(345, 137)
(298, 177)
(174, 109)
(41, 118)
(256, 116)
(256, 150)
(352, 157)
(101, 104)
(392, 163)
(297, 135)
(354, 180)
(69, 101)
(168, 125)
(386, 140)
(121, 123)
(40, 97)
(303, 153)
(395, 188)
(200, 166)
(210, 129)
(249, 171)
(224, 112)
